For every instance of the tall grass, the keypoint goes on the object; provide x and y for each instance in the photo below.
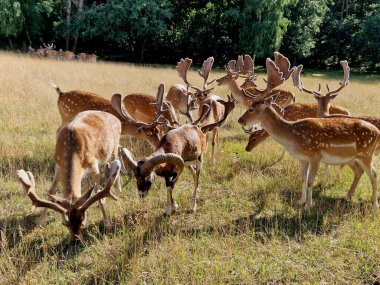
(246, 229)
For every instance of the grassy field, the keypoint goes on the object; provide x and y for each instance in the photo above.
(246, 230)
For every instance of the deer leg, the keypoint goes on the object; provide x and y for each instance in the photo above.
(95, 176)
(215, 136)
(117, 184)
(358, 172)
(305, 174)
(366, 164)
(52, 190)
(196, 173)
(325, 171)
(313, 169)
(171, 205)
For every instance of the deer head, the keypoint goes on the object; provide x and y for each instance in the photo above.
(73, 212)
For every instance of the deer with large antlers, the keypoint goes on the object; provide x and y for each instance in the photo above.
(71, 103)
(180, 147)
(244, 67)
(89, 140)
(147, 109)
(337, 141)
(296, 111)
(210, 109)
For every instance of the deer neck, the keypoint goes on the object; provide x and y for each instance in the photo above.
(323, 108)
(236, 91)
(72, 172)
(275, 125)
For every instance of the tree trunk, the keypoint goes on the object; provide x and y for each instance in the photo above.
(79, 15)
(68, 23)
(10, 43)
(142, 50)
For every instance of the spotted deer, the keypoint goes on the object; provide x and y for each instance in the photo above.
(90, 140)
(245, 68)
(336, 141)
(180, 147)
(71, 103)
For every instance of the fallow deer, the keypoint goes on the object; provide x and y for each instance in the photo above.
(180, 147)
(86, 57)
(210, 109)
(245, 68)
(143, 108)
(71, 103)
(89, 140)
(337, 141)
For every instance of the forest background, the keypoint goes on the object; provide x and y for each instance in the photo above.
(316, 33)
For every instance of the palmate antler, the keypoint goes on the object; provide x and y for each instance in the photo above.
(277, 72)
(346, 74)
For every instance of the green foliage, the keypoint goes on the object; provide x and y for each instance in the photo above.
(306, 18)
(10, 18)
(263, 26)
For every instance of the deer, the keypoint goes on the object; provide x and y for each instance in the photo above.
(87, 57)
(66, 55)
(88, 141)
(179, 96)
(244, 67)
(335, 140)
(180, 147)
(143, 108)
(49, 51)
(210, 109)
(73, 102)
(294, 112)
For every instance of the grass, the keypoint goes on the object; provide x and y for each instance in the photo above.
(246, 230)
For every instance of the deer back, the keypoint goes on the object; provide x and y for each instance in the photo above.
(92, 137)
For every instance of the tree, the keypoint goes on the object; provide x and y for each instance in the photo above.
(263, 25)
(305, 17)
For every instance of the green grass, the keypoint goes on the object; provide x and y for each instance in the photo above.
(246, 229)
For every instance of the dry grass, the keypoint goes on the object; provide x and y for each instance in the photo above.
(246, 230)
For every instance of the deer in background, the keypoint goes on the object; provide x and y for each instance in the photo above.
(337, 141)
(180, 147)
(86, 57)
(245, 68)
(88, 141)
(71, 103)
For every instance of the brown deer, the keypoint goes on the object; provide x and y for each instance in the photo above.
(210, 109)
(337, 141)
(143, 108)
(89, 140)
(71, 103)
(180, 147)
(86, 57)
(245, 68)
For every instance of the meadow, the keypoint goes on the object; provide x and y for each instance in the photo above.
(246, 229)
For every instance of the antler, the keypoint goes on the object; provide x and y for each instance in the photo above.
(345, 82)
(28, 183)
(205, 71)
(297, 81)
(188, 108)
(228, 107)
(276, 75)
(248, 66)
(111, 173)
(182, 67)
(49, 46)
(160, 100)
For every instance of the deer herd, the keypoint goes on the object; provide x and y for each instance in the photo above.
(49, 51)
(89, 135)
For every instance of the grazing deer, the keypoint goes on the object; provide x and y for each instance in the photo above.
(210, 109)
(66, 55)
(245, 68)
(180, 147)
(89, 140)
(71, 103)
(337, 141)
